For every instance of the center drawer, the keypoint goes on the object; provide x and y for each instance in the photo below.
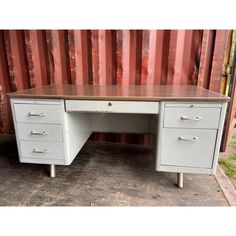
(113, 106)
(40, 132)
(192, 117)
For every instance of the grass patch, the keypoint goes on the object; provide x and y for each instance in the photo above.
(233, 144)
(233, 141)
(234, 135)
(232, 156)
(228, 163)
(228, 167)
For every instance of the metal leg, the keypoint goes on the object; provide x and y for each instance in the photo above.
(180, 180)
(52, 171)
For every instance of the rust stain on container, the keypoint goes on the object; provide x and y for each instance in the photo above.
(129, 56)
(105, 57)
(155, 56)
(95, 56)
(172, 56)
(72, 58)
(35, 58)
(16, 59)
(119, 52)
(83, 70)
(145, 52)
(207, 49)
(218, 58)
(6, 123)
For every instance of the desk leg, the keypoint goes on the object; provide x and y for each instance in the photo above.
(52, 171)
(180, 180)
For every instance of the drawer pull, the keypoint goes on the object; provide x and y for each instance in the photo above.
(194, 139)
(36, 114)
(197, 118)
(109, 104)
(38, 133)
(40, 151)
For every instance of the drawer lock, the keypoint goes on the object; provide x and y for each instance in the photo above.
(194, 139)
(197, 118)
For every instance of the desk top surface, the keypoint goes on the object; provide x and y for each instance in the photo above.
(117, 92)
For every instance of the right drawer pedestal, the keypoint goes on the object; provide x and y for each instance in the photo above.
(189, 137)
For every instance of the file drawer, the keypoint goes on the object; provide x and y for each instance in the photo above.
(192, 117)
(39, 132)
(37, 113)
(41, 150)
(188, 147)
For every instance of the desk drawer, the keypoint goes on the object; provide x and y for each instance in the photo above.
(39, 132)
(188, 147)
(41, 150)
(113, 106)
(28, 113)
(192, 117)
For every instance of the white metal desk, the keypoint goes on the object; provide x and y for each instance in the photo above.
(52, 123)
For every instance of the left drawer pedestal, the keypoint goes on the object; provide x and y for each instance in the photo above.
(39, 130)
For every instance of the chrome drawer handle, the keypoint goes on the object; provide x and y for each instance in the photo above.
(194, 139)
(197, 118)
(38, 133)
(36, 114)
(40, 151)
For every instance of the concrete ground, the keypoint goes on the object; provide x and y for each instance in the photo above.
(101, 175)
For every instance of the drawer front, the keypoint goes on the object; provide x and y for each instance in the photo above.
(41, 150)
(40, 132)
(188, 147)
(113, 106)
(37, 113)
(187, 117)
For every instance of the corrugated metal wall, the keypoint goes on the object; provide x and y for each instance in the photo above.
(32, 58)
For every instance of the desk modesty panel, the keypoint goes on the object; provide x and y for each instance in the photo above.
(53, 122)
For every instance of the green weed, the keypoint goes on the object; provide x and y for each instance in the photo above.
(228, 167)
